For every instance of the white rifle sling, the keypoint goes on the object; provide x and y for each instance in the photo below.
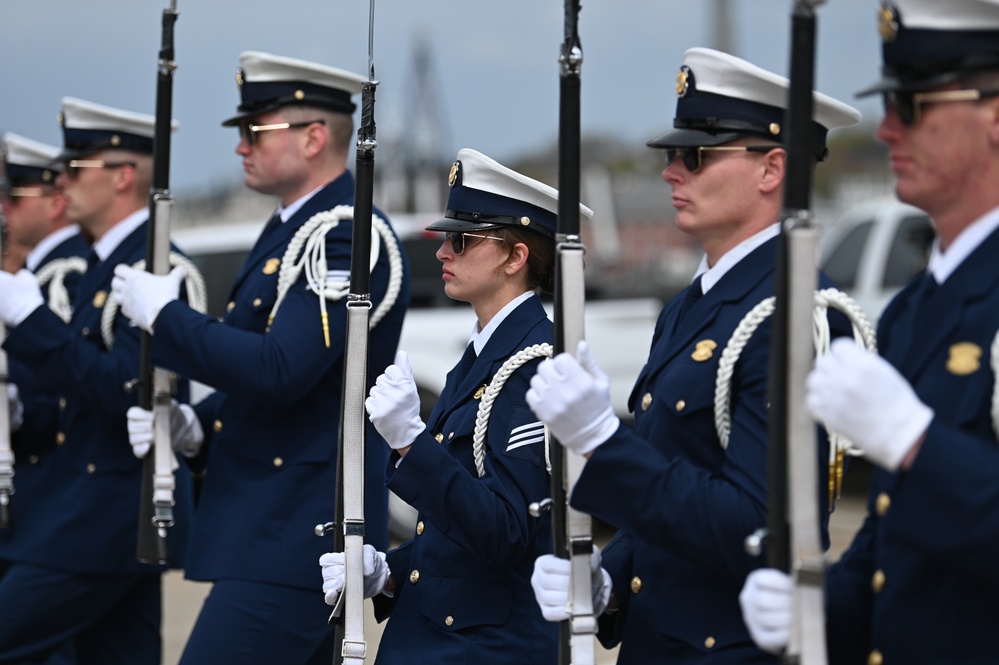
(583, 624)
(54, 274)
(863, 333)
(994, 358)
(506, 370)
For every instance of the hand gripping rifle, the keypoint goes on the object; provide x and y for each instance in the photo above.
(156, 497)
(6, 454)
(348, 528)
(794, 538)
(571, 529)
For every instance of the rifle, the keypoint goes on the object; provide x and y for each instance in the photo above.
(794, 537)
(6, 455)
(348, 614)
(156, 496)
(572, 529)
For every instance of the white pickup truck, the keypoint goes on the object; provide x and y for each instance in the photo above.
(874, 249)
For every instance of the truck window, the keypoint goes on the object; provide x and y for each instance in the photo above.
(842, 264)
(910, 250)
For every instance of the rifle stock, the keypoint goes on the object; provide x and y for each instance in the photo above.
(572, 530)
(794, 522)
(156, 494)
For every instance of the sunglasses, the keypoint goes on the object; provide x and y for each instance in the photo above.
(248, 131)
(74, 166)
(15, 193)
(693, 159)
(908, 105)
(458, 239)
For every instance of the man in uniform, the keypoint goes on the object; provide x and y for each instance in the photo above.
(74, 576)
(682, 498)
(267, 437)
(918, 584)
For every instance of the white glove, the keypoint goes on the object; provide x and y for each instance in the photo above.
(861, 396)
(376, 573)
(19, 296)
(15, 407)
(550, 582)
(571, 394)
(766, 600)
(142, 294)
(393, 404)
(186, 435)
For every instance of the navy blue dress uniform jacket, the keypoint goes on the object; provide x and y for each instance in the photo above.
(462, 583)
(271, 426)
(919, 582)
(86, 519)
(35, 440)
(683, 504)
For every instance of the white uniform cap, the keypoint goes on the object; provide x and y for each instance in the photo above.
(28, 161)
(89, 127)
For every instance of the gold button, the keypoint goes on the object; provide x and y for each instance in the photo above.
(91, 468)
(646, 401)
(229, 306)
(256, 302)
(440, 437)
(62, 403)
(449, 621)
(709, 641)
(878, 580)
(681, 405)
(875, 658)
(33, 459)
(419, 528)
(85, 331)
(278, 461)
(882, 504)
(450, 435)
(217, 426)
(100, 298)
(636, 584)
(60, 438)
(414, 577)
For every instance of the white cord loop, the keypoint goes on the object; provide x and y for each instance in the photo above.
(511, 365)
(307, 252)
(863, 333)
(197, 294)
(994, 352)
(55, 272)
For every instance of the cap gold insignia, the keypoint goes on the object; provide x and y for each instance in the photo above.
(965, 358)
(271, 266)
(100, 298)
(116, 140)
(480, 392)
(888, 22)
(46, 176)
(682, 80)
(239, 78)
(61, 119)
(299, 95)
(774, 128)
(525, 221)
(453, 175)
(703, 350)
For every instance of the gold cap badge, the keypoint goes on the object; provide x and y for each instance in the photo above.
(239, 78)
(964, 359)
(682, 81)
(453, 175)
(888, 22)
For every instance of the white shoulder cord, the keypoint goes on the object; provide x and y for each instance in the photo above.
(863, 333)
(56, 271)
(197, 294)
(307, 251)
(486, 405)
(995, 393)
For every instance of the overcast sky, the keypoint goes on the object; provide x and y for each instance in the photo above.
(495, 68)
